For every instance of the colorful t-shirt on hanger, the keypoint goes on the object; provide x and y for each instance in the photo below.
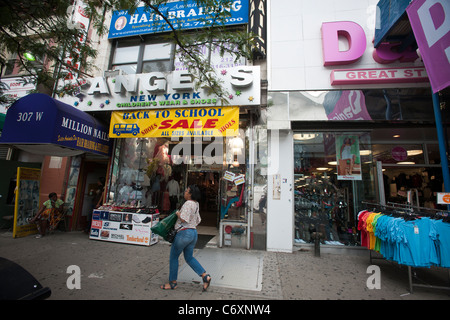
(442, 237)
(361, 227)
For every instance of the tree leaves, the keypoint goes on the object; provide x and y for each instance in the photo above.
(41, 28)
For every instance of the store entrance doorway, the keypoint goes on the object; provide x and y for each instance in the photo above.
(209, 184)
(90, 173)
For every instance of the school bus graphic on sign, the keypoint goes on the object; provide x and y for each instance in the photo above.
(126, 128)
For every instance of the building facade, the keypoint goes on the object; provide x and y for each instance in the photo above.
(167, 130)
(326, 125)
(348, 123)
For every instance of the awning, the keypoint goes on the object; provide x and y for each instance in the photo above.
(40, 124)
(392, 24)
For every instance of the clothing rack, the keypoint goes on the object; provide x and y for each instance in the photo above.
(423, 210)
(410, 210)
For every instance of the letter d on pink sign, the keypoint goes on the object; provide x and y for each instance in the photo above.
(330, 42)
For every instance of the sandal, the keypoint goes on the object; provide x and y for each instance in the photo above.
(206, 281)
(173, 285)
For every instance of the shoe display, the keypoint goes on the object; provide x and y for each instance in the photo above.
(146, 220)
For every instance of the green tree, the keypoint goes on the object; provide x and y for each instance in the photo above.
(40, 34)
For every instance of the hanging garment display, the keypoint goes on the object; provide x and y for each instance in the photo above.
(411, 240)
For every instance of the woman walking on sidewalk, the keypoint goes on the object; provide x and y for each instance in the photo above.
(186, 238)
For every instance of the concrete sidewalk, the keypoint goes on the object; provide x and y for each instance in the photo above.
(128, 272)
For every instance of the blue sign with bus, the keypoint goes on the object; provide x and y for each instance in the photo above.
(120, 128)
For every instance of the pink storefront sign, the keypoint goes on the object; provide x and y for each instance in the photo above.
(356, 39)
(430, 21)
(378, 75)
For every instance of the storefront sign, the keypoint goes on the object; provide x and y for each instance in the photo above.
(386, 75)
(182, 15)
(79, 20)
(333, 32)
(443, 198)
(27, 201)
(123, 227)
(166, 90)
(258, 26)
(188, 122)
(16, 88)
(385, 53)
(355, 36)
(399, 153)
(430, 21)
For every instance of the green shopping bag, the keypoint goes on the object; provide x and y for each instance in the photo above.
(164, 226)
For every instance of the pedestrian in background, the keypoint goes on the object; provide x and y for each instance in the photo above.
(174, 192)
(97, 200)
(50, 207)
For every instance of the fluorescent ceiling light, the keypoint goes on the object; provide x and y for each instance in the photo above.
(414, 152)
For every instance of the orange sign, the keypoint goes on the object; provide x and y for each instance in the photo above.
(443, 198)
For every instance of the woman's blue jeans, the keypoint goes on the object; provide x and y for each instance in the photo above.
(185, 241)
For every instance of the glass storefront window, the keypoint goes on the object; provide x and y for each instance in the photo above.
(409, 154)
(433, 154)
(231, 173)
(330, 190)
(330, 185)
(408, 104)
(259, 181)
(142, 168)
(72, 184)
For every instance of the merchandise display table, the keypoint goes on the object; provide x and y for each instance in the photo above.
(124, 227)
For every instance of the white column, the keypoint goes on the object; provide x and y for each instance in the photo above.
(280, 205)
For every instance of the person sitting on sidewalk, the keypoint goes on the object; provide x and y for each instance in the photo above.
(51, 207)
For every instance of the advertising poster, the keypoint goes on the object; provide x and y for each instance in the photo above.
(188, 122)
(27, 201)
(16, 88)
(348, 157)
(229, 176)
(124, 227)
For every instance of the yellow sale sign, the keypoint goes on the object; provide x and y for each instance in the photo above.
(185, 122)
